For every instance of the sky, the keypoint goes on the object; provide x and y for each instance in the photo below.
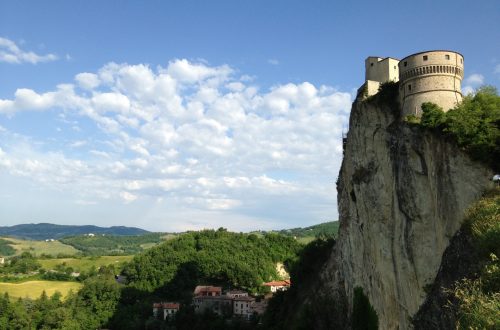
(184, 115)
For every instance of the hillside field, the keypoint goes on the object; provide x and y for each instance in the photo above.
(41, 247)
(33, 289)
(84, 264)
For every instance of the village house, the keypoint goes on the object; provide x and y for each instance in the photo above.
(220, 305)
(167, 310)
(207, 290)
(276, 286)
(236, 293)
(233, 302)
(242, 307)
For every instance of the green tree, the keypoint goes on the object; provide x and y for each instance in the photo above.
(432, 115)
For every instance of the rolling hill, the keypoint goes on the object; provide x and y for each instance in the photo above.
(42, 231)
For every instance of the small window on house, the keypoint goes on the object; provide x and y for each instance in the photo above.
(371, 64)
(447, 56)
(405, 63)
(409, 87)
(426, 57)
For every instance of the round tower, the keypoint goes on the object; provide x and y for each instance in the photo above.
(433, 76)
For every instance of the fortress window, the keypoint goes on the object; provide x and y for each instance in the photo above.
(447, 56)
(461, 60)
(371, 64)
(409, 87)
(406, 63)
(426, 57)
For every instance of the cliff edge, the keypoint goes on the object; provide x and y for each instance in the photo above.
(402, 195)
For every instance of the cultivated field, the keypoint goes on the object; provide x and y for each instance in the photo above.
(84, 264)
(38, 247)
(33, 289)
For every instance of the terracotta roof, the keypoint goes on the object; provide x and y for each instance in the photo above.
(278, 283)
(213, 298)
(207, 288)
(167, 305)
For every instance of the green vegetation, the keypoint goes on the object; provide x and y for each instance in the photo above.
(479, 298)
(364, 316)
(240, 260)
(22, 264)
(33, 289)
(90, 308)
(286, 310)
(85, 264)
(474, 124)
(5, 248)
(43, 231)
(39, 248)
(113, 245)
(322, 230)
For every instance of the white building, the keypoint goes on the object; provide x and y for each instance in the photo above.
(167, 309)
(276, 286)
(242, 307)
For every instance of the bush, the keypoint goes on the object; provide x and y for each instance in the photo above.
(364, 317)
(433, 115)
(474, 124)
(479, 298)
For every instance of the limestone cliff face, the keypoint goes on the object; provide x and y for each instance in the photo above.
(402, 194)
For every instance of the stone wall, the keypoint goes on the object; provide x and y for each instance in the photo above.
(433, 76)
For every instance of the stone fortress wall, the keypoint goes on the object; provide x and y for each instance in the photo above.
(379, 70)
(431, 76)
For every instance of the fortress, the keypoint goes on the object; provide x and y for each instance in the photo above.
(432, 76)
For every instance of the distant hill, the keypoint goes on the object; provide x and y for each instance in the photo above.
(42, 231)
(327, 229)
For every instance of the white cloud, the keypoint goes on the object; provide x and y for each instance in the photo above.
(11, 53)
(475, 79)
(87, 80)
(497, 69)
(273, 61)
(189, 135)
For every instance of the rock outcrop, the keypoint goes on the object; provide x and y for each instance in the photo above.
(402, 195)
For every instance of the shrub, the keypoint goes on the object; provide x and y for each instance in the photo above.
(364, 317)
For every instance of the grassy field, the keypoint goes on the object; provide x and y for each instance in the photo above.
(38, 247)
(33, 289)
(84, 264)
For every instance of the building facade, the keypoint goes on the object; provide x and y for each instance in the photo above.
(433, 76)
(166, 310)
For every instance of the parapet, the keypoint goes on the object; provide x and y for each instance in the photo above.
(431, 76)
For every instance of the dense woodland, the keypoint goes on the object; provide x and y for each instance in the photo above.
(5, 248)
(111, 244)
(474, 124)
(322, 230)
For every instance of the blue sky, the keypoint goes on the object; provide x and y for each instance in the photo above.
(175, 115)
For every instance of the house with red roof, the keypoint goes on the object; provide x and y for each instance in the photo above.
(276, 286)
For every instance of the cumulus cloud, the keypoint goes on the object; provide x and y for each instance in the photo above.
(11, 53)
(195, 136)
(475, 79)
(497, 69)
(472, 82)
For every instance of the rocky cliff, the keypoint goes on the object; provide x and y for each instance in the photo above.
(402, 194)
